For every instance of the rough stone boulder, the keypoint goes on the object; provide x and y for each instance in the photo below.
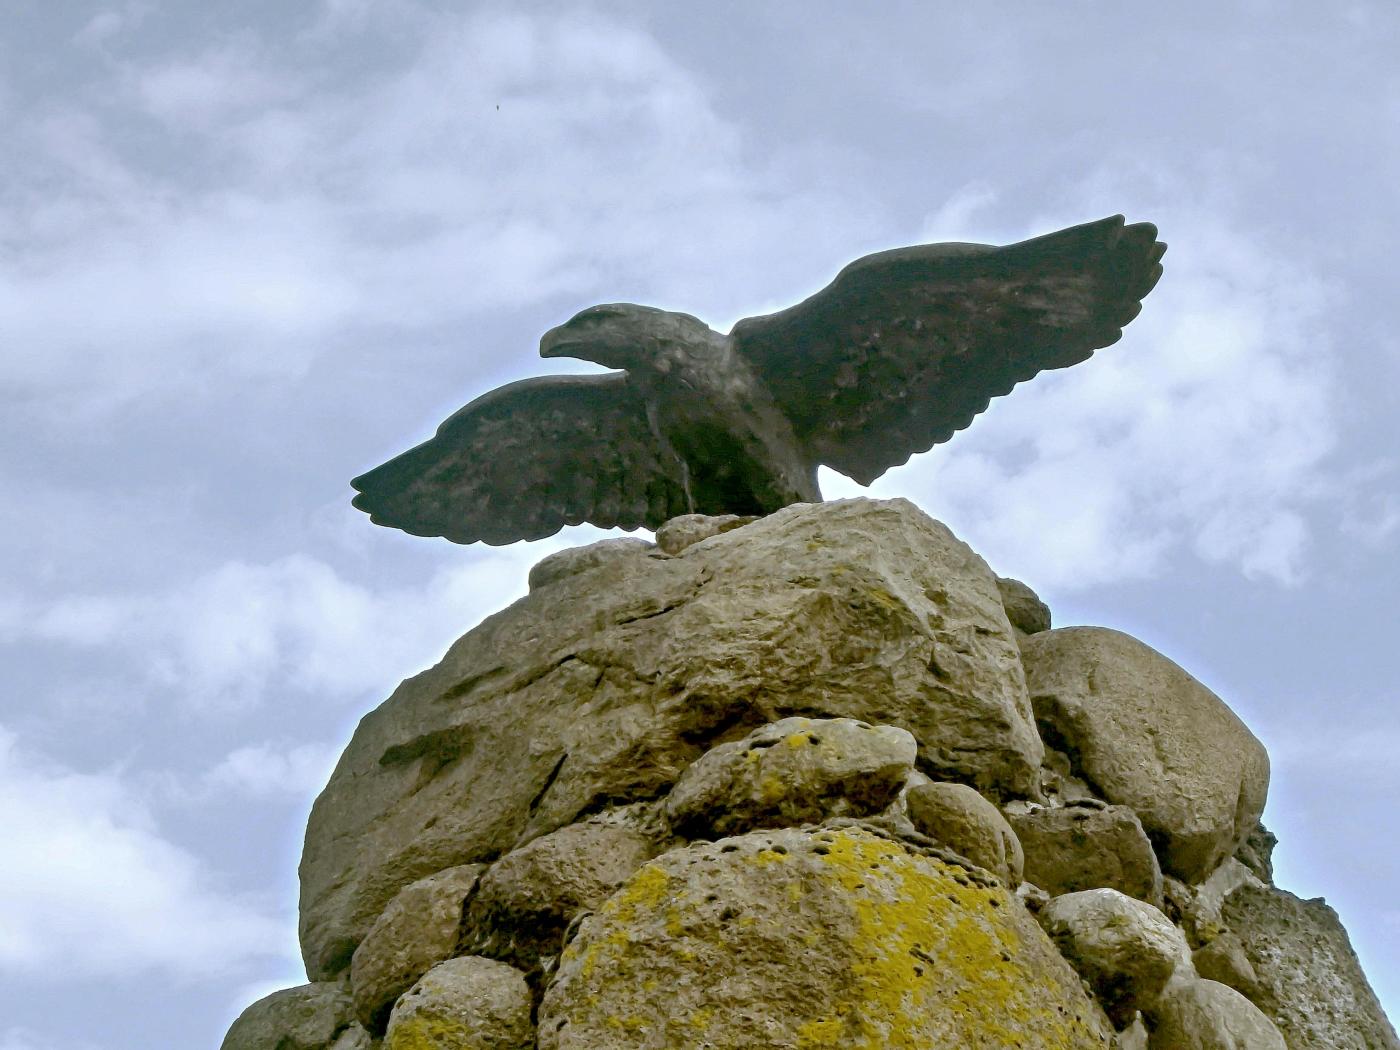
(528, 898)
(467, 1003)
(1147, 735)
(794, 771)
(689, 529)
(623, 667)
(1027, 613)
(419, 929)
(1083, 846)
(821, 937)
(1126, 949)
(1224, 959)
(1197, 1014)
(1307, 977)
(307, 1017)
(956, 816)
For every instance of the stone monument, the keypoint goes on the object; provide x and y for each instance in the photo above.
(797, 775)
(900, 351)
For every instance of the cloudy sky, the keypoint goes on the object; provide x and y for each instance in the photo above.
(248, 250)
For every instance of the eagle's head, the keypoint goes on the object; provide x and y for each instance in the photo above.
(624, 335)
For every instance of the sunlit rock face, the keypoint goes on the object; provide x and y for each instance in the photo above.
(820, 779)
(604, 684)
(816, 937)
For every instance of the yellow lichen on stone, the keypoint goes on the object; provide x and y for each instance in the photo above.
(426, 1033)
(647, 888)
(801, 939)
(924, 942)
(818, 1035)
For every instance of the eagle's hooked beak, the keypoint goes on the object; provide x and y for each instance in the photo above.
(557, 342)
(585, 330)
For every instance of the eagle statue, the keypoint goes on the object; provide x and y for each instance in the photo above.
(902, 350)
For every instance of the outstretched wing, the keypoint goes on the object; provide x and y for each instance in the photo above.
(526, 459)
(906, 347)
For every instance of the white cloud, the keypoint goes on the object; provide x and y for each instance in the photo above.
(220, 84)
(90, 888)
(1205, 428)
(1306, 748)
(223, 639)
(267, 770)
(106, 25)
(28, 1039)
(508, 158)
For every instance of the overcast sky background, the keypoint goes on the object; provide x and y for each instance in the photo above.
(250, 249)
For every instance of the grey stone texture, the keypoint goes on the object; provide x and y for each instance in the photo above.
(1134, 1037)
(794, 771)
(1197, 1014)
(419, 929)
(821, 937)
(307, 1017)
(956, 816)
(356, 1037)
(1145, 734)
(1027, 613)
(1307, 977)
(1224, 959)
(1257, 853)
(575, 561)
(689, 529)
(467, 1003)
(527, 899)
(604, 685)
(1126, 949)
(1083, 846)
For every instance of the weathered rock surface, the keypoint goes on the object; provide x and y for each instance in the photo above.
(825, 937)
(794, 771)
(1224, 959)
(956, 816)
(1257, 853)
(468, 1003)
(1145, 734)
(356, 1037)
(528, 898)
(521, 831)
(1134, 1037)
(307, 1017)
(1081, 847)
(574, 561)
(1126, 949)
(1308, 979)
(1027, 613)
(689, 529)
(419, 929)
(603, 684)
(1196, 1014)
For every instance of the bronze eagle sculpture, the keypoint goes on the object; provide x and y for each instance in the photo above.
(903, 349)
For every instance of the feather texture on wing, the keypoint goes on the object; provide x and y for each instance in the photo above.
(526, 459)
(906, 347)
